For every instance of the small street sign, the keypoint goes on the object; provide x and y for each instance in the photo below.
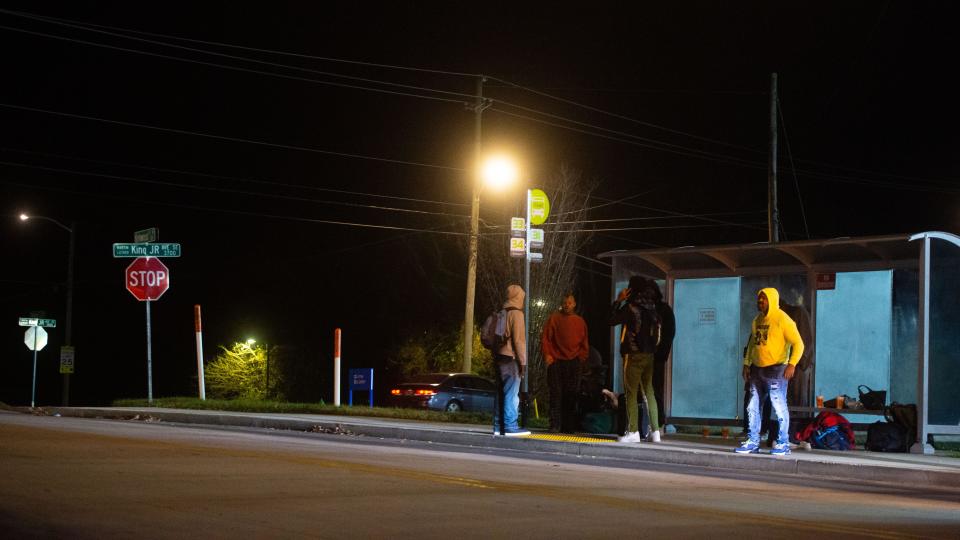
(146, 250)
(518, 247)
(67, 354)
(147, 278)
(536, 257)
(146, 235)
(35, 338)
(517, 226)
(32, 321)
(536, 238)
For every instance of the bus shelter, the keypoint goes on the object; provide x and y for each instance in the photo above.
(885, 313)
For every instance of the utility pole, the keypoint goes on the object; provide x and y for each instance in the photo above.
(773, 214)
(474, 233)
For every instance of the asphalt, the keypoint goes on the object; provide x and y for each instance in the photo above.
(932, 471)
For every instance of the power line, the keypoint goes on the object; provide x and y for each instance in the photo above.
(236, 212)
(228, 190)
(230, 139)
(241, 58)
(233, 68)
(241, 47)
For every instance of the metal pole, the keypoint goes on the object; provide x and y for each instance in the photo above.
(149, 358)
(474, 233)
(526, 305)
(68, 327)
(198, 328)
(33, 388)
(773, 214)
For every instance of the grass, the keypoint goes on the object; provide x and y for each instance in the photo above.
(262, 406)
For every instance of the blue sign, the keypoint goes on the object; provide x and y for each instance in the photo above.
(361, 379)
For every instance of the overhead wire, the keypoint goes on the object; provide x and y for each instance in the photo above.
(793, 167)
(228, 190)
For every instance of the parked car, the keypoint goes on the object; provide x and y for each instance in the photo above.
(451, 392)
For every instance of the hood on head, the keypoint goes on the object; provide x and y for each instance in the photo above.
(515, 296)
(773, 298)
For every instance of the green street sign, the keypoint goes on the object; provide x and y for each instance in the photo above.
(33, 321)
(146, 250)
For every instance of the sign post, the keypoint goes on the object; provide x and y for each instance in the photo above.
(147, 278)
(538, 210)
(361, 379)
(35, 339)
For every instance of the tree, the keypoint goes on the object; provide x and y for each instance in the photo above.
(440, 351)
(241, 372)
(564, 237)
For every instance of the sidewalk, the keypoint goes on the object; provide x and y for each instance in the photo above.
(712, 452)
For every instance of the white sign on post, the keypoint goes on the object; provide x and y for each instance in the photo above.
(35, 338)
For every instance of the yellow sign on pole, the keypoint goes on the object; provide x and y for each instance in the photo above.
(539, 206)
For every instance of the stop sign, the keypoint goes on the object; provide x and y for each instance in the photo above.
(147, 278)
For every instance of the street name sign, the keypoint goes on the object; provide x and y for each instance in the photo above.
(147, 278)
(33, 321)
(146, 250)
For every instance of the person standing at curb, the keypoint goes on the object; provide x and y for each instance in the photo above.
(774, 349)
(511, 362)
(565, 349)
(635, 310)
(668, 329)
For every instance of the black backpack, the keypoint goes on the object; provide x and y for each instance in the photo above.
(897, 433)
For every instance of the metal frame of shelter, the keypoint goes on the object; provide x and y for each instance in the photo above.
(812, 257)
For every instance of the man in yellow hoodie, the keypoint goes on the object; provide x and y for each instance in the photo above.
(772, 354)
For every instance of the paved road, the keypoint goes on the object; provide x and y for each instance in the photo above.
(81, 478)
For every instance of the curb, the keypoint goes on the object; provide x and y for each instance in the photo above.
(824, 469)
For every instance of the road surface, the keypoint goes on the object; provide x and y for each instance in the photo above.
(82, 478)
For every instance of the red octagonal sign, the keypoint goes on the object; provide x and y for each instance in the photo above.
(147, 278)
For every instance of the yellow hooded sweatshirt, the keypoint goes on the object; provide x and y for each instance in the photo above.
(771, 333)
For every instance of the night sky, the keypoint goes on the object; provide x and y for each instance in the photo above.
(313, 161)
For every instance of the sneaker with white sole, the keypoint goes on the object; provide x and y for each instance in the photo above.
(654, 436)
(631, 436)
(748, 447)
(516, 432)
(780, 449)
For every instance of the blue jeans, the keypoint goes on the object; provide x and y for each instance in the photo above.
(507, 400)
(768, 381)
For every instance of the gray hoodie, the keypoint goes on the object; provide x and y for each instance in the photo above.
(516, 346)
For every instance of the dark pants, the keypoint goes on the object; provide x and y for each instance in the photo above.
(659, 368)
(563, 376)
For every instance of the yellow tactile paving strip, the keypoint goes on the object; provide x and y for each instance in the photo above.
(567, 438)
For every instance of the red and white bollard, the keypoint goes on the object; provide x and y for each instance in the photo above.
(336, 367)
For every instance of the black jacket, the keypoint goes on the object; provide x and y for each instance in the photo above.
(641, 327)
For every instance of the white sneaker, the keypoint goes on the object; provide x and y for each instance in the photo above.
(654, 436)
(631, 436)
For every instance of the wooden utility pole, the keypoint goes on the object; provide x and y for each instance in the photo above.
(474, 175)
(773, 214)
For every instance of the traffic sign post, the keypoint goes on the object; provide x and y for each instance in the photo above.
(147, 278)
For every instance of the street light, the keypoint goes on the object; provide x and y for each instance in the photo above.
(68, 327)
(496, 172)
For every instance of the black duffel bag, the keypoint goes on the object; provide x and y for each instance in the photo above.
(886, 437)
(872, 399)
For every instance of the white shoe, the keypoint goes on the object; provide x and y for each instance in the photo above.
(631, 436)
(654, 436)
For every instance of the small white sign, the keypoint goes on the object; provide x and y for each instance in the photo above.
(517, 226)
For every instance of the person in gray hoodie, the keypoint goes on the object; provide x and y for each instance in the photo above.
(510, 362)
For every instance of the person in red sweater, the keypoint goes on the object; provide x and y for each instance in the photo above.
(565, 349)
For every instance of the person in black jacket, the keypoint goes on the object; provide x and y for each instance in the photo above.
(635, 309)
(668, 329)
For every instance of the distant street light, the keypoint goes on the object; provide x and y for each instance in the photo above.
(68, 326)
(496, 172)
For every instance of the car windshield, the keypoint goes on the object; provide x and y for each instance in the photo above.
(431, 378)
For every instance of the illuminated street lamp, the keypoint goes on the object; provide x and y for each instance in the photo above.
(496, 172)
(68, 327)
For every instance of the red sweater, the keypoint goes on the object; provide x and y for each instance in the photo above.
(565, 337)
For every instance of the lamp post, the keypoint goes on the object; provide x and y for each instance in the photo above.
(68, 326)
(496, 172)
